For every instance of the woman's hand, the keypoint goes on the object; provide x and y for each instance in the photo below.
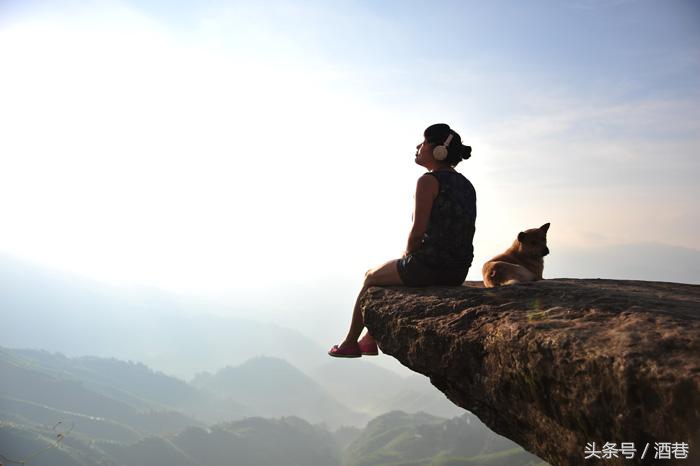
(426, 191)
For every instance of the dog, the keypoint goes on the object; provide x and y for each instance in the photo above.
(522, 262)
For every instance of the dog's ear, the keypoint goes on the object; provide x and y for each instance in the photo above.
(521, 236)
(545, 227)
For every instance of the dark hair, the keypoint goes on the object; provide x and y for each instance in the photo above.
(456, 152)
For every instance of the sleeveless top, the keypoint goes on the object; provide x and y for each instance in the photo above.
(448, 241)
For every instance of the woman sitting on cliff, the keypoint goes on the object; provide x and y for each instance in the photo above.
(439, 250)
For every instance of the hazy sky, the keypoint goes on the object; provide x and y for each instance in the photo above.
(225, 147)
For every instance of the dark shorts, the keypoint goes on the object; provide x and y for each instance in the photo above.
(414, 273)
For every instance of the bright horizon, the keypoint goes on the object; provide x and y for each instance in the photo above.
(221, 149)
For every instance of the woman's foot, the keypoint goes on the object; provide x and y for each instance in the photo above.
(345, 350)
(368, 347)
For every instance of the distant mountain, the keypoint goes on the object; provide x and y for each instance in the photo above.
(272, 387)
(400, 439)
(124, 414)
(249, 442)
(179, 336)
(34, 395)
(150, 393)
(393, 439)
(117, 400)
(372, 390)
(262, 386)
(289, 441)
(641, 261)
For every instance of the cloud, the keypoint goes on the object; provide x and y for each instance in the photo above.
(183, 158)
(144, 159)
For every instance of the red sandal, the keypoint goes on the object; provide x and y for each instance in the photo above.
(352, 352)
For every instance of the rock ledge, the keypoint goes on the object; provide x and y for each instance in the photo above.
(556, 364)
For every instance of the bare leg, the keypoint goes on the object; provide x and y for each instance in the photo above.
(384, 275)
(358, 322)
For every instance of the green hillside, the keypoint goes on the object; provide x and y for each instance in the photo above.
(272, 387)
(250, 442)
(386, 390)
(125, 414)
(31, 393)
(154, 395)
(400, 439)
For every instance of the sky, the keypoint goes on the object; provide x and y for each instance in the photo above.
(240, 149)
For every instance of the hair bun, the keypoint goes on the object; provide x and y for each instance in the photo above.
(466, 152)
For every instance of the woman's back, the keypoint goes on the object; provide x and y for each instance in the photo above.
(448, 241)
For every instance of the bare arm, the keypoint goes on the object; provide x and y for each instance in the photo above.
(426, 191)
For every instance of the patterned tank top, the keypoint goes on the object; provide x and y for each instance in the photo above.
(448, 241)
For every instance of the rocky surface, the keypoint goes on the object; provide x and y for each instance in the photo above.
(557, 364)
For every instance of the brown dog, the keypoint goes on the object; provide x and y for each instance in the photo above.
(522, 262)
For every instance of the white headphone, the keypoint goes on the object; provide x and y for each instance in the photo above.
(440, 152)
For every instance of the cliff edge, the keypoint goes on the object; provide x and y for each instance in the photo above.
(558, 364)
